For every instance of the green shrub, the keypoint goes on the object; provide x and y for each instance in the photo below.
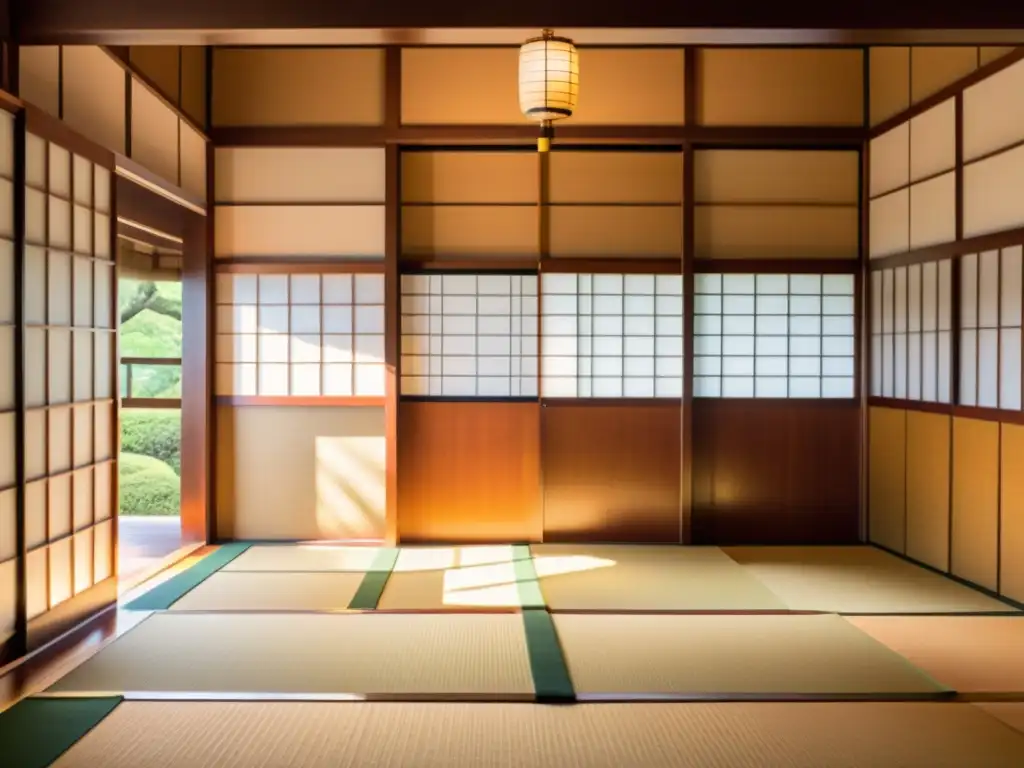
(148, 486)
(155, 433)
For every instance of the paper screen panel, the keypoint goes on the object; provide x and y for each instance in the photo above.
(932, 141)
(773, 176)
(932, 68)
(752, 232)
(285, 86)
(299, 175)
(889, 84)
(745, 86)
(300, 231)
(459, 86)
(933, 211)
(39, 76)
(889, 219)
(193, 161)
(774, 336)
(615, 95)
(470, 231)
(994, 193)
(618, 231)
(469, 335)
(470, 177)
(612, 335)
(94, 95)
(993, 115)
(154, 128)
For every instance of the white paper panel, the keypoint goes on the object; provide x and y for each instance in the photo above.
(969, 291)
(59, 511)
(933, 141)
(968, 368)
(876, 365)
(890, 224)
(35, 285)
(83, 546)
(1011, 287)
(35, 367)
(945, 366)
(929, 296)
(887, 365)
(612, 335)
(7, 369)
(914, 366)
(929, 366)
(35, 161)
(888, 297)
(61, 587)
(994, 193)
(988, 368)
(945, 295)
(82, 168)
(890, 160)
(37, 565)
(1009, 369)
(59, 281)
(8, 598)
(103, 541)
(933, 211)
(900, 366)
(35, 514)
(876, 302)
(993, 112)
(900, 300)
(35, 444)
(914, 298)
(59, 367)
(988, 289)
(103, 505)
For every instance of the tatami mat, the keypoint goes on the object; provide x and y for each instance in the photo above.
(483, 586)
(389, 654)
(728, 655)
(429, 558)
(651, 578)
(857, 580)
(272, 591)
(388, 735)
(1011, 713)
(973, 654)
(305, 557)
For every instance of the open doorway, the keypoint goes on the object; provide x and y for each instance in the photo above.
(149, 301)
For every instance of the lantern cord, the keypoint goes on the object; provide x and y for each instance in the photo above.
(546, 133)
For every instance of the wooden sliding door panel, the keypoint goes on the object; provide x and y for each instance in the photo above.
(927, 473)
(612, 473)
(775, 472)
(975, 507)
(887, 462)
(469, 471)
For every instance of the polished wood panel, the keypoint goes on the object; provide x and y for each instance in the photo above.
(612, 472)
(775, 471)
(469, 471)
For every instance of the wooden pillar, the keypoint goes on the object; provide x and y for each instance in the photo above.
(392, 287)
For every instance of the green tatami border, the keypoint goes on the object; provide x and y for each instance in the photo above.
(551, 679)
(374, 580)
(37, 731)
(163, 596)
